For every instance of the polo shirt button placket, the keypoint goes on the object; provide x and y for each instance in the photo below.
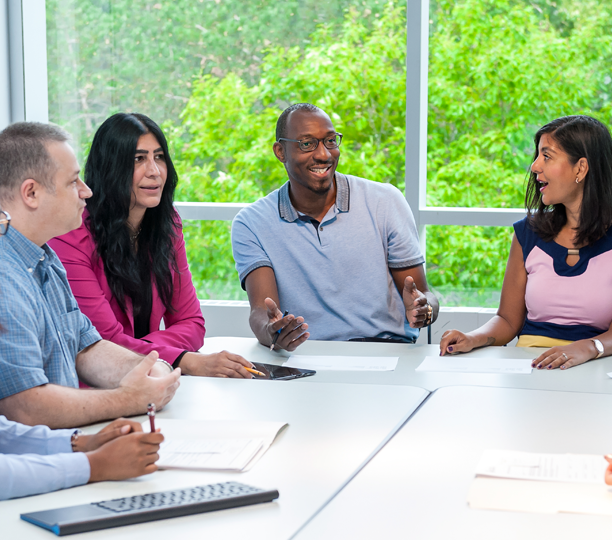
(323, 239)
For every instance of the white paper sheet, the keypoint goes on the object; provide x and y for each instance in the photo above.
(343, 363)
(541, 483)
(207, 454)
(540, 497)
(467, 364)
(575, 468)
(214, 445)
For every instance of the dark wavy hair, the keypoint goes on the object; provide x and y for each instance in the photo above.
(109, 171)
(579, 137)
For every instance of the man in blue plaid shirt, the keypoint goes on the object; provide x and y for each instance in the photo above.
(46, 343)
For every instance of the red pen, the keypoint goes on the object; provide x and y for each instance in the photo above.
(151, 414)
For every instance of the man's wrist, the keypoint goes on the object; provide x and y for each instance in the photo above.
(435, 307)
(167, 364)
(126, 402)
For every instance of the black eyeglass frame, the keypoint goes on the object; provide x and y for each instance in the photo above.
(5, 223)
(301, 141)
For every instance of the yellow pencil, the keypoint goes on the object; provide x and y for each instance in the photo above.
(255, 372)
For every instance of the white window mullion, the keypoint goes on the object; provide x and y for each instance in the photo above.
(417, 50)
(27, 30)
(482, 217)
(5, 79)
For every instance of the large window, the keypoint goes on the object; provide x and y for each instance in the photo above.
(216, 74)
(499, 70)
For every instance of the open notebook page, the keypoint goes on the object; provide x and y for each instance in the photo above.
(214, 444)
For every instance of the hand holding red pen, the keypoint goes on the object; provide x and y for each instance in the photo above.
(151, 415)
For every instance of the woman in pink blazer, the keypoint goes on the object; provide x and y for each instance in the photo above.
(127, 264)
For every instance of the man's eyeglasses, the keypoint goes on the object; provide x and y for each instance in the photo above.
(5, 221)
(331, 142)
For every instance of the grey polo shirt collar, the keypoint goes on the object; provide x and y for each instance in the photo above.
(290, 214)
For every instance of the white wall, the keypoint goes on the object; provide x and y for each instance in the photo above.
(231, 318)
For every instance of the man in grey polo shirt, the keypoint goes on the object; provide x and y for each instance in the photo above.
(339, 253)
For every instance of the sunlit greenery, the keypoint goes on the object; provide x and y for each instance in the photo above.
(218, 73)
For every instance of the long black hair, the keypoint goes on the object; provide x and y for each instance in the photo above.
(109, 171)
(579, 137)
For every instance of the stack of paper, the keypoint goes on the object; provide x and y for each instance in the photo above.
(541, 483)
(214, 445)
(580, 468)
(469, 364)
(343, 363)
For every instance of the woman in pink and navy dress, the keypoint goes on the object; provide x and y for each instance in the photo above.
(126, 264)
(557, 289)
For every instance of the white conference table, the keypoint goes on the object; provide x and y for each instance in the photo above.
(589, 377)
(417, 485)
(333, 430)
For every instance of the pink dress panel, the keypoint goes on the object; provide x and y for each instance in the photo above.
(585, 299)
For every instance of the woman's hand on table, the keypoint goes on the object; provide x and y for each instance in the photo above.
(221, 364)
(453, 342)
(566, 356)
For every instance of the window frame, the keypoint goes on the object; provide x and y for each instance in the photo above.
(417, 47)
(23, 29)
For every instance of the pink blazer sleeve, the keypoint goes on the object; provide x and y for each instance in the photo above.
(184, 328)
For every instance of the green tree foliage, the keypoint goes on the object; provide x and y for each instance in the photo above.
(107, 56)
(498, 71)
(220, 72)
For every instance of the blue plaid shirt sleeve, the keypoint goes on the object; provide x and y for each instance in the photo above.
(21, 365)
(42, 328)
(88, 335)
(48, 463)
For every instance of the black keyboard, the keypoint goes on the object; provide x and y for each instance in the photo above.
(149, 507)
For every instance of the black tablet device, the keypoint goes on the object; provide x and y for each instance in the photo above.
(281, 373)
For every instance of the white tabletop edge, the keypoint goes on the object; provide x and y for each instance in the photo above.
(382, 444)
